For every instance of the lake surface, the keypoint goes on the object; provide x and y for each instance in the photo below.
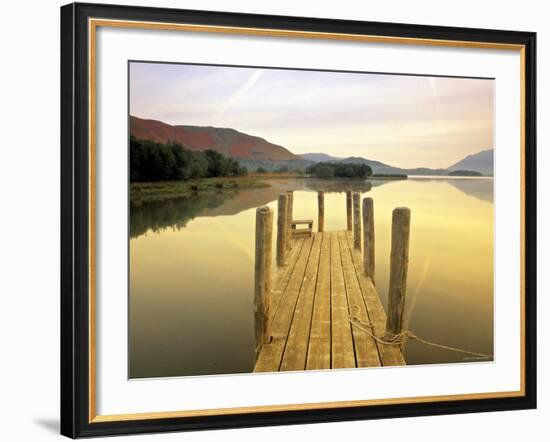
(191, 270)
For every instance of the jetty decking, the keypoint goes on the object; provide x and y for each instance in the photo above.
(321, 310)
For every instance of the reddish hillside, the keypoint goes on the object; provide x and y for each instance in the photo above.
(227, 141)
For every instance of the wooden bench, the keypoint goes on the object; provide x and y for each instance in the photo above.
(306, 231)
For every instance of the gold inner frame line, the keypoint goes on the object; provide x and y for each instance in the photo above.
(93, 24)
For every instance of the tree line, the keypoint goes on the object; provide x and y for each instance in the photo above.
(339, 170)
(151, 161)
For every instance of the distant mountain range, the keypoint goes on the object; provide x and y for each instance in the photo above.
(319, 157)
(253, 152)
(480, 162)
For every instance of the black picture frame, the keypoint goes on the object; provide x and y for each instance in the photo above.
(75, 220)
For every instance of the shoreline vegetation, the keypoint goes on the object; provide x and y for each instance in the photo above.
(172, 189)
(170, 170)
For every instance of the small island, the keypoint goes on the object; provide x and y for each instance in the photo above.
(464, 173)
(339, 170)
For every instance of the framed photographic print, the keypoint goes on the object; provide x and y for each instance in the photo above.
(271, 220)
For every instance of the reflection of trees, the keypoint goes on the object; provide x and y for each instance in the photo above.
(175, 213)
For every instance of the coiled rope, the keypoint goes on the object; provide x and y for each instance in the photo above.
(404, 337)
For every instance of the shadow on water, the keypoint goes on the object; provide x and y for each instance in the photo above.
(175, 213)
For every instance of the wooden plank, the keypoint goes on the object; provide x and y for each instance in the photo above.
(302, 221)
(368, 238)
(282, 276)
(271, 354)
(262, 275)
(399, 264)
(320, 211)
(282, 224)
(389, 354)
(366, 350)
(343, 355)
(356, 221)
(290, 215)
(301, 231)
(349, 216)
(295, 352)
(318, 355)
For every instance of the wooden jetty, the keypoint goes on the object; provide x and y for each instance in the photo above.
(321, 309)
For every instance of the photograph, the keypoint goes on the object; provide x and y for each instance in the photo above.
(274, 220)
(295, 219)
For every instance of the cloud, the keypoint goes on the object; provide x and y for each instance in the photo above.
(236, 97)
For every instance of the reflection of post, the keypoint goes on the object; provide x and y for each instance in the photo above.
(399, 263)
(262, 275)
(321, 211)
(282, 224)
(356, 221)
(290, 208)
(368, 237)
(348, 209)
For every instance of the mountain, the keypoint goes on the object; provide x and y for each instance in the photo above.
(253, 152)
(479, 162)
(378, 168)
(319, 157)
(227, 141)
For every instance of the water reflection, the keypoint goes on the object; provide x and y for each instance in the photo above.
(175, 213)
(191, 275)
(157, 215)
(481, 189)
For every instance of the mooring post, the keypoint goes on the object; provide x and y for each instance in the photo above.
(368, 237)
(399, 263)
(356, 221)
(321, 211)
(290, 208)
(262, 275)
(282, 228)
(348, 209)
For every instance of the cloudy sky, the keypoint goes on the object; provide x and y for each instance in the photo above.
(404, 121)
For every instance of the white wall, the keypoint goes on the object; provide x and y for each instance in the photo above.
(29, 218)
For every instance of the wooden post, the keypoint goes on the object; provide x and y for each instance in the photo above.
(368, 237)
(356, 221)
(399, 263)
(262, 275)
(321, 211)
(290, 208)
(282, 227)
(348, 209)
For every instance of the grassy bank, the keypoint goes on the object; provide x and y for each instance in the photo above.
(171, 189)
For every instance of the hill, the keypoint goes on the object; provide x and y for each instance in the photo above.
(319, 157)
(481, 162)
(227, 141)
(254, 152)
(378, 168)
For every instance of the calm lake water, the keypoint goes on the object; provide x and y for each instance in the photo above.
(192, 258)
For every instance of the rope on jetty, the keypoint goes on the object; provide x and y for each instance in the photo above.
(404, 337)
